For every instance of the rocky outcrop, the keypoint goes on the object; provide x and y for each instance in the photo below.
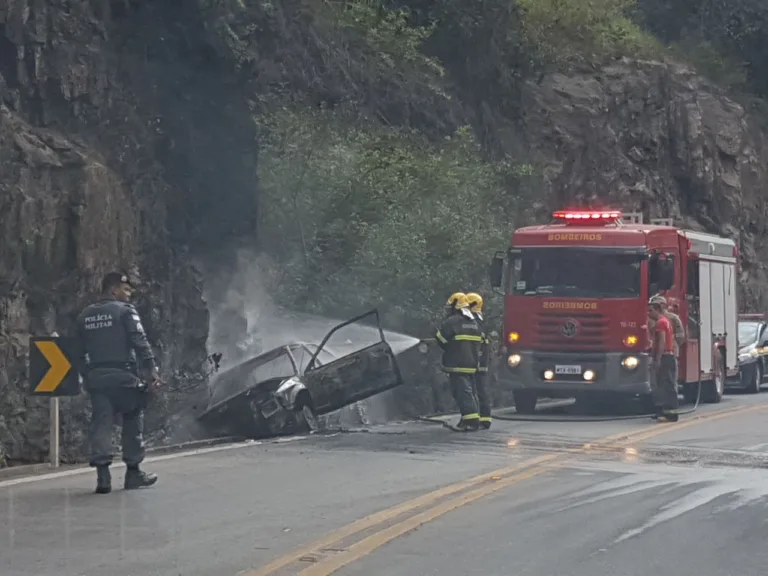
(126, 139)
(117, 131)
(655, 137)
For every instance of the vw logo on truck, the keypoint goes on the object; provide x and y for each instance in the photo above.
(570, 328)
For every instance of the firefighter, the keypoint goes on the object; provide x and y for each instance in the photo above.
(115, 351)
(481, 378)
(663, 362)
(459, 337)
(677, 327)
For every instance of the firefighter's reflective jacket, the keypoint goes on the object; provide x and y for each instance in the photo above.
(460, 338)
(484, 350)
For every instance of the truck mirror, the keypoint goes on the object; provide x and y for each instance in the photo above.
(661, 272)
(666, 274)
(496, 271)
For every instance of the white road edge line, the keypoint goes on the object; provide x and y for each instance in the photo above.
(160, 458)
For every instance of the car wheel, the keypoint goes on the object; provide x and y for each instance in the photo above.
(308, 415)
(757, 379)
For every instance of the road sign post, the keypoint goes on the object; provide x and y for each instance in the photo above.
(53, 373)
(53, 447)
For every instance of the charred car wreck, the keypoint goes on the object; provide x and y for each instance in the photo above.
(283, 390)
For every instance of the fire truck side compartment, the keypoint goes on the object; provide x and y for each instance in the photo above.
(717, 296)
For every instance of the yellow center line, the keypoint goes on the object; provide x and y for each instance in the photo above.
(377, 540)
(503, 476)
(390, 514)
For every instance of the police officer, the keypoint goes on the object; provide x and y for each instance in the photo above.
(481, 378)
(115, 352)
(459, 337)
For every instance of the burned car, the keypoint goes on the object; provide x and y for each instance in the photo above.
(282, 391)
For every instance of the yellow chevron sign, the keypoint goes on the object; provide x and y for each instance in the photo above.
(50, 367)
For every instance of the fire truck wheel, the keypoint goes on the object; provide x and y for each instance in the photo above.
(648, 404)
(690, 391)
(593, 403)
(525, 401)
(712, 391)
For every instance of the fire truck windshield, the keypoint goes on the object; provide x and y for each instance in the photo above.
(571, 271)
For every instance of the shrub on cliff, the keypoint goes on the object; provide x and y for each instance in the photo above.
(727, 41)
(364, 214)
(572, 31)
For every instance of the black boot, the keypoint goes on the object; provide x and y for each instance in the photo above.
(135, 478)
(103, 480)
(671, 415)
(469, 425)
(485, 424)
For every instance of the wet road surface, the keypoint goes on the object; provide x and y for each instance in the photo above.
(597, 498)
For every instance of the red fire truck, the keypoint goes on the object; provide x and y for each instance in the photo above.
(576, 303)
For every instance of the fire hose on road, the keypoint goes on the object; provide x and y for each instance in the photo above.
(437, 418)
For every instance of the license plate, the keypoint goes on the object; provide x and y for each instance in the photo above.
(567, 369)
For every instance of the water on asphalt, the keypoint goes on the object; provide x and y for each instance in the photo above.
(690, 501)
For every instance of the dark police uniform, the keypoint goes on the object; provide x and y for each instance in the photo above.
(481, 377)
(115, 349)
(459, 336)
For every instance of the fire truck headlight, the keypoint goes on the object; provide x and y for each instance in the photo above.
(630, 341)
(548, 375)
(513, 360)
(589, 375)
(513, 337)
(630, 362)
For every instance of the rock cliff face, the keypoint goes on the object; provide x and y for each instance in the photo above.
(656, 138)
(126, 140)
(117, 131)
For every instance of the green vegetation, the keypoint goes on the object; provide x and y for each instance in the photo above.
(577, 31)
(383, 177)
(362, 213)
(726, 40)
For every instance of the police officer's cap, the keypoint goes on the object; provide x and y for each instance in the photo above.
(115, 279)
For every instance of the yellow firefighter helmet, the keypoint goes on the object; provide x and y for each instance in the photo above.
(457, 301)
(475, 302)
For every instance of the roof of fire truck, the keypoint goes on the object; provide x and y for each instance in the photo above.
(606, 228)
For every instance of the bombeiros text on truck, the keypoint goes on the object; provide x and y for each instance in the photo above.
(576, 302)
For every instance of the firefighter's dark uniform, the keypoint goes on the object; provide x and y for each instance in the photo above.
(481, 378)
(665, 389)
(459, 336)
(115, 349)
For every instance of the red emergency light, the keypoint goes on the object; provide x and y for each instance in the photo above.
(587, 215)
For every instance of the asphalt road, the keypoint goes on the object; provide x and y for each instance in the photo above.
(539, 498)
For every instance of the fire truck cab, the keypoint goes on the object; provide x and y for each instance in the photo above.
(576, 306)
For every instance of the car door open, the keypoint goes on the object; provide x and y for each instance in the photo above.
(354, 376)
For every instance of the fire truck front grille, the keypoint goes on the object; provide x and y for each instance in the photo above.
(571, 331)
